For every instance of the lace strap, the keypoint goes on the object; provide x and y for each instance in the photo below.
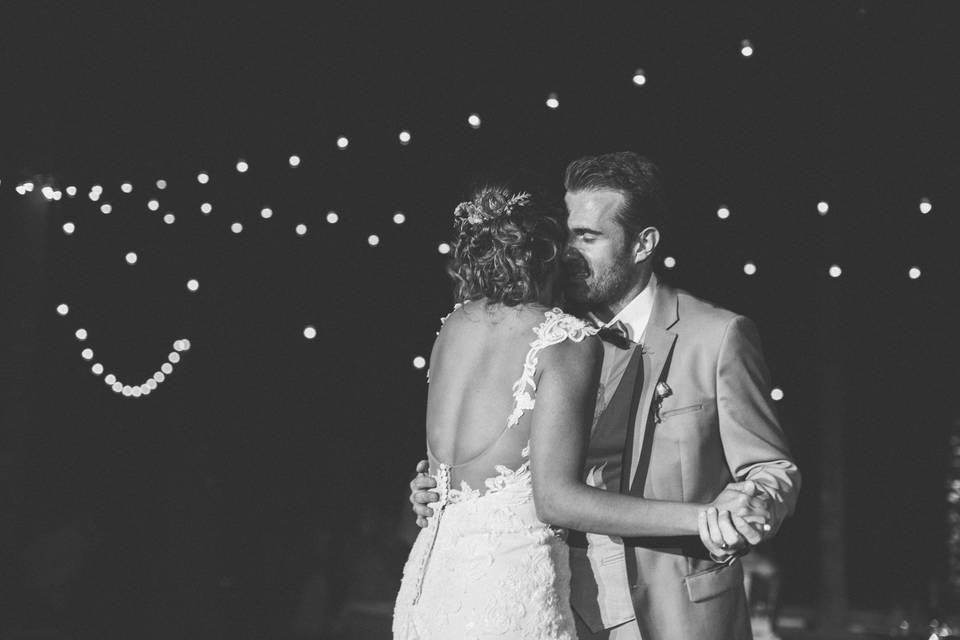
(556, 327)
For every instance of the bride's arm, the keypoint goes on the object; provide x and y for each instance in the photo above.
(566, 394)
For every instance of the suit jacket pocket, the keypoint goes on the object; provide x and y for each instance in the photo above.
(710, 583)
(681, 410)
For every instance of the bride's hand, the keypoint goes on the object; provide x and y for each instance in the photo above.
(745, 500)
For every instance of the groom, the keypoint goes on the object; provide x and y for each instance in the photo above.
(683, 411)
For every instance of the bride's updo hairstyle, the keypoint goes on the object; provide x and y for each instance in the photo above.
(507, 246)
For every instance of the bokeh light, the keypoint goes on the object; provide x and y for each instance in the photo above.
(301, 229)
(639, 77)
(749, 268)
(373, 240)
(419, 362)
(669, 262)
(444, 248)
(69, 228)
(333, 217)
(236, 227)
(242, 166)
(343, 142)
(925, 206)
(399, 218)
(723, 212)
(777, 394)
(405, 137)
(153, 205)
(126, 187)
(746, 48)
(553, 101)
(294, 161)
(823, 207)
(474, 120)
(106, 208)
(169, 218)
(266, 213)
(63, 309)
(914, 273)
(131, 257)
(203, 178)
(161, 184)
(81, 334)
(206, 208)
(193, 285)
(835, 271)
(309, 332)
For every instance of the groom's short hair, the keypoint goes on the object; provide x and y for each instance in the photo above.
(633, 175)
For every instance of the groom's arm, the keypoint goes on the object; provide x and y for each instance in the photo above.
(753, 442)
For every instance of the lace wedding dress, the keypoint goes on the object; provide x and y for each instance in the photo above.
(485, 566)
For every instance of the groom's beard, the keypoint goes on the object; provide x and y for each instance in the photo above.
(595, 290)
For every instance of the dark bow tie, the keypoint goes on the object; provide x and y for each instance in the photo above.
(615, 334)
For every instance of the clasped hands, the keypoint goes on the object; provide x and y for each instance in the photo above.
(736, 520)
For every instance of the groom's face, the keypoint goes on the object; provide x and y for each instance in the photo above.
(598, 259)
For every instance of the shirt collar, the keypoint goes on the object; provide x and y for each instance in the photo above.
(636, 314)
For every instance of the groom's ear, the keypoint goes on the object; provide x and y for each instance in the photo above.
(645, 244)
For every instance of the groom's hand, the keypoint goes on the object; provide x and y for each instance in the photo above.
(420, 494)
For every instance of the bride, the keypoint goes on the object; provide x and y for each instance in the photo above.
(512, 388)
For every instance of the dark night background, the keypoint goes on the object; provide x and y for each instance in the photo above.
(204, 509)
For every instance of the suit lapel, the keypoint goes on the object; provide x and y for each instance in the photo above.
(657, 345)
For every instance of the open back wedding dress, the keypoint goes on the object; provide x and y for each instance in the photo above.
(485, 566)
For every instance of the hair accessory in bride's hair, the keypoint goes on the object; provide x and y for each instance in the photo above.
(484, 208)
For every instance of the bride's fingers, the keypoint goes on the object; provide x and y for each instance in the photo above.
(713, 526)
(423, 466)
(731, 536)
(421, 522)
(748, 532)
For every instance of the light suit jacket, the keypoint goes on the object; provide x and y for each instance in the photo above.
(715, 425)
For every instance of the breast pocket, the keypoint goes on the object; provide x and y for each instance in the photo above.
(669, 413)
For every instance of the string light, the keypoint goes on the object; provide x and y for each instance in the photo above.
(553, 101)
(333, 217)
(925, 206)
(301, 229)
(94, 194)
(47, 192)
(126, 187)
(69, 228)
(57, 194)
(153, 205)
(777, 394)
(746, 48)
(192, 285)
(405, 137)
(343, 142)
(309, 332)
(28, 186)
(419, 362)
(203, 178)
(294, 161)
(914, 273)
(206, 208)
(266, 213)
(63, 309)
(242, 166)
(81, 334)
(823, 207)
(148, 385)
(444, 248)
(835, 271)
(399, 218)
(749, 268)
(131, 258)
(473, 120)
(106, 208)
(161, 184)
(169, 218)
(19, 189)
(723, 212)
(669, 262)
(373, 240)
(639, 77)
(236, 227)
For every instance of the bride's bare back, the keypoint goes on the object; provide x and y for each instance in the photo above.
(476, 360)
